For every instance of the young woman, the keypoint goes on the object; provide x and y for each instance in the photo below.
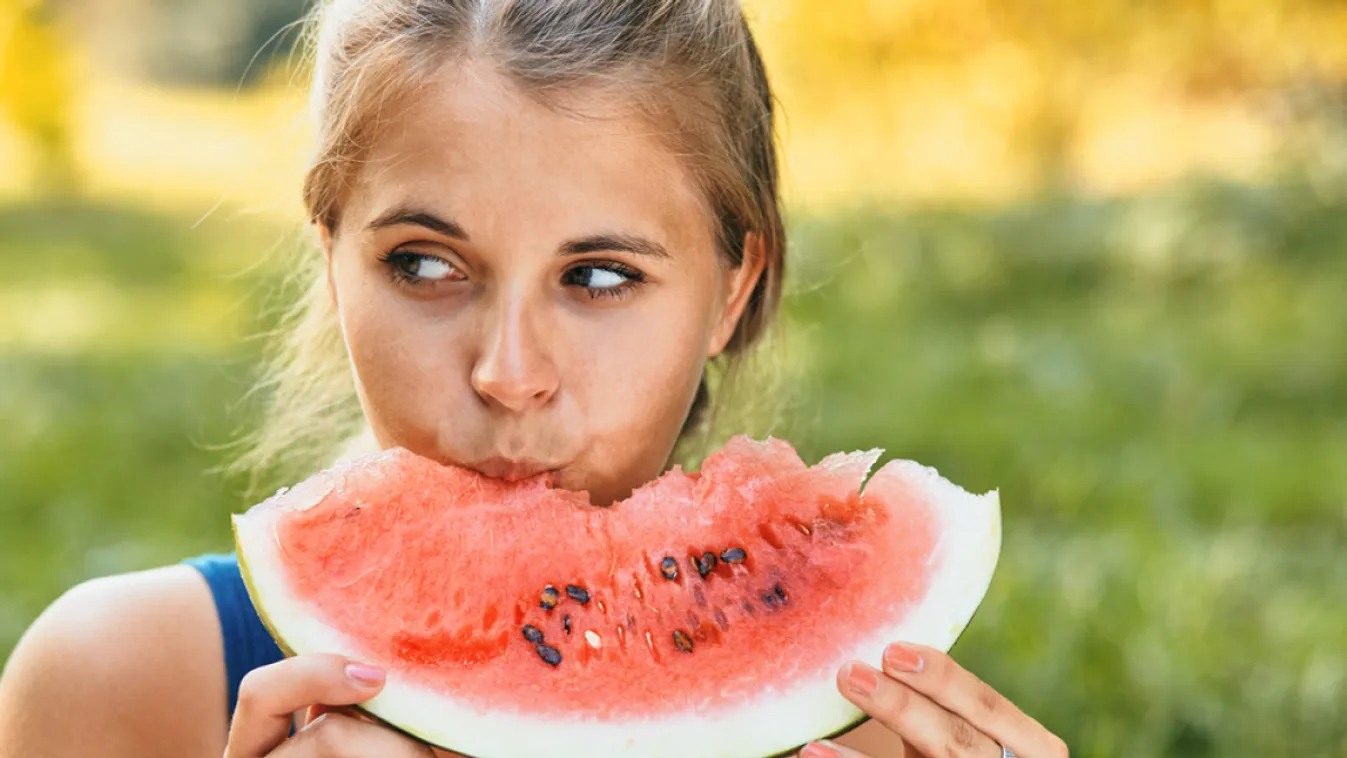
(540, 219)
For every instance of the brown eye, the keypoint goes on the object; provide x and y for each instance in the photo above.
(426, 267)
(419, 269)
(592, 277)
(607, 279)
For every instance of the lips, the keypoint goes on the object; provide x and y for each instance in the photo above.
(511, 469)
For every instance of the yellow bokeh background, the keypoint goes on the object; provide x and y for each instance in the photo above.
(966, 100)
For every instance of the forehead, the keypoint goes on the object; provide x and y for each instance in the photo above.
(472, 143)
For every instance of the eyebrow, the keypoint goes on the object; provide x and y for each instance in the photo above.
(401, 215)
(629, 243)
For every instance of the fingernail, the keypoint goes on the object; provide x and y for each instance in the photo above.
(899, 657)
(862, 679)
(365, 676)
(819, 750)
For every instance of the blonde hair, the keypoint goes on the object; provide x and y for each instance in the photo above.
(691, 67)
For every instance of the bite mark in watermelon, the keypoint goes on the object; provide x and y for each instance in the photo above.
(706, 615)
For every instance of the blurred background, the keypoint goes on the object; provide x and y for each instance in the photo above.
(1091, 253)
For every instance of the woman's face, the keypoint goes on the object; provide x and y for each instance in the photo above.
(523, 289)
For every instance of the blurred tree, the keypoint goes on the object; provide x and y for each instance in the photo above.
(1030, 66)
(229, 44)
(188, 42)
(36, 88)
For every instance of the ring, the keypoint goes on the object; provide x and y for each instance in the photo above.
(1006, 752)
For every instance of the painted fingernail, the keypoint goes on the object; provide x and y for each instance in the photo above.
(365, 676)
(862, 679)
(902, 658)
(819, 750)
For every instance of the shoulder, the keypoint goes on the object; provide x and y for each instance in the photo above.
(120, 666)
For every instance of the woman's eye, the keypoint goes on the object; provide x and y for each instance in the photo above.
(423, 267)
(599, 278)
(603, 280)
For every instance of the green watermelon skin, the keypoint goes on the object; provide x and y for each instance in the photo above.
(434, 572)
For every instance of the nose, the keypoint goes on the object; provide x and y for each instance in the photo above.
(514, 369)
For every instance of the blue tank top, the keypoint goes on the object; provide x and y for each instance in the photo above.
(247, 644)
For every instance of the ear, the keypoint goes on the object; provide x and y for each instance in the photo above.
(742, 284)
(325, 239)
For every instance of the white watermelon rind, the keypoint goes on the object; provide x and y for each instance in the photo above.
(775, 723)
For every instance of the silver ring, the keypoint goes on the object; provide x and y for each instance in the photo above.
(1006, 752)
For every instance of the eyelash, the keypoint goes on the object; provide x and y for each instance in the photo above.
(393, 261)
(633, 277)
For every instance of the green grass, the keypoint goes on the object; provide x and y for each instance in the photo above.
(1156, 385)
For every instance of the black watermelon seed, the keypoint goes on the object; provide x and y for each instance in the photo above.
(780, 593)
(549, 654)
(748, 608)
(550, 598)
(734, 555)
(769, 600)
(533, 634)
(566, 624)
(682, 640)
(577, 593)
(669, 568)
(706, 564)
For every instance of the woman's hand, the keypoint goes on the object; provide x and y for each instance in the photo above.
(271, 695)
(938, 709)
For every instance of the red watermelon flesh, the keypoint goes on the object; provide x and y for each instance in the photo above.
(780, 573)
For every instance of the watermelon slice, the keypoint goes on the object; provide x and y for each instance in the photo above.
(706, 615)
